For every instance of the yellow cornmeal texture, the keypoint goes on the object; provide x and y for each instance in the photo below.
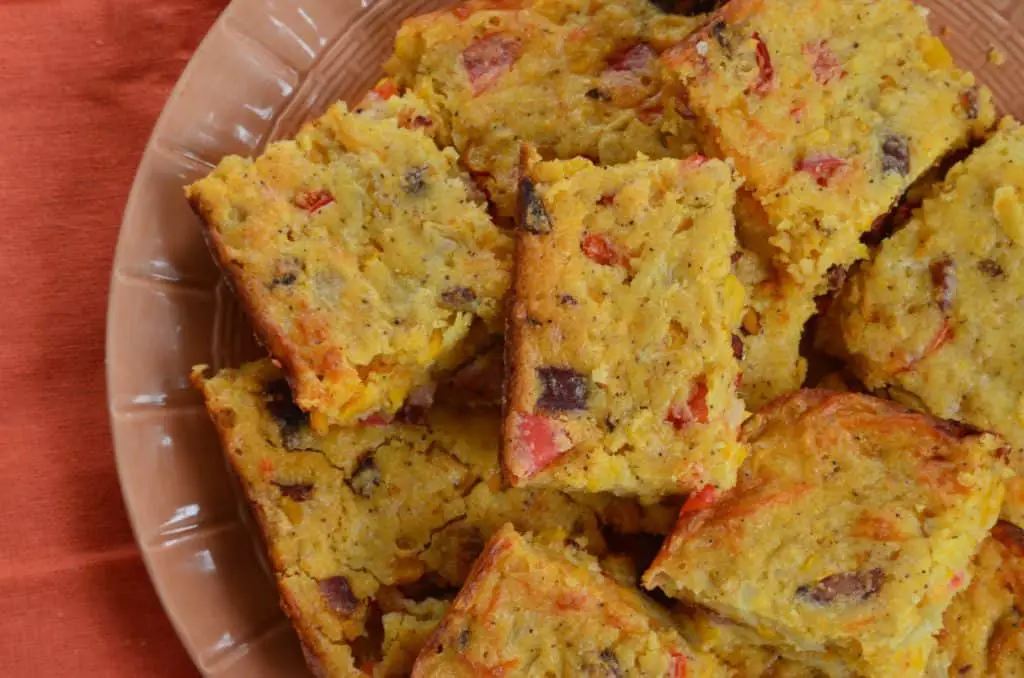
(851, 525)
(773, 322)
(820, 103)
(571, 77)
(738, 648)
(938, 314)
(984, 627)
(622, 372)
(533, 609)
(360, 256)
(358, 518)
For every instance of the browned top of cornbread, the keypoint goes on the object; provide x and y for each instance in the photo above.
(820, 103)
(937, 315)
(530, 608)
(983, 634)
(375, 519)
(849, 522)
(361, 256)
(622, 372)
(571, 77)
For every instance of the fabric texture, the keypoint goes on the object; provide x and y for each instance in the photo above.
(82, 82)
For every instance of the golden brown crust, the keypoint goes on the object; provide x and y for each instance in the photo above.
(869, 514)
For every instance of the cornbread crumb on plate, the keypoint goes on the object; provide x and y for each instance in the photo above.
(532, 607)
(361, 256)
(622, 372)
(937, 316)
(820, 104)
(850, 529)
(374, 524)
(571, 77)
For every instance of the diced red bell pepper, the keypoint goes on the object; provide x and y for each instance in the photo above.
(602, 249)
(823, 61)
(488, 58)
(822, 167)
(313, 201)
(765, 71)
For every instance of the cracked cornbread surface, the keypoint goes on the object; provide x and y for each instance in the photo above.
(937, 316)
(531, 608)
(622, 373)
(373, 524)
(571, 77)
(850, 527)
(820, 104)
(361, 256)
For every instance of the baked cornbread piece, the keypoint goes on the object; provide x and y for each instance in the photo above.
(983, 635)
(622, 375)
(360, 256)
(536, 609)
(773, 322)
(844, 538)
(571, 77)
(937, 316)
(737, 647)
(369, 523)
(820, 104)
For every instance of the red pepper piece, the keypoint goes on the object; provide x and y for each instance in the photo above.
(822, 167)
(678, 665)
(488, 58)
(313, 201)
(535, 445)
(765, 71)
(385, 89)
(823, 62)
(703, 498)
(602, 249)
(695, 409)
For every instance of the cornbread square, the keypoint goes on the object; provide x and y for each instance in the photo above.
(983, 636)
(846, 535)
(820, 104)
(937, 315)
(571, 77)
(361, 257)
(622, 375)
(374, 523)
(539, 609)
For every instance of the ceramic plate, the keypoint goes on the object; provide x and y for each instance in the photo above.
(266, 67)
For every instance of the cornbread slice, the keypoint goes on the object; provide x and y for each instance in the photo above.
(571, 77)
(937, 316)
(846, 535)
(361, 258)
(370, 525)
(820, 104)
(531, 608)
(622, 375)
(769, 336)
(739, 648)
(983, 635)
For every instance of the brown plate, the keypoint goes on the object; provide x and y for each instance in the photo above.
(266, 67)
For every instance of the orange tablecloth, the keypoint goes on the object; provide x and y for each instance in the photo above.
(81, 84)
